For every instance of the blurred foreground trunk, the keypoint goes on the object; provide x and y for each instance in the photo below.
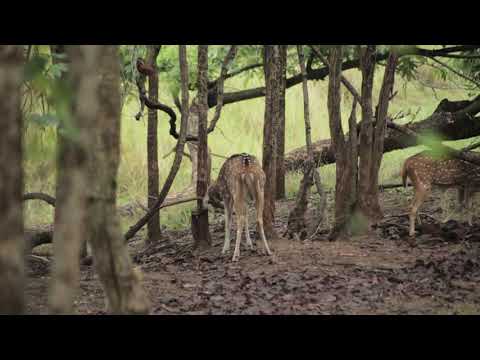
(11, 183)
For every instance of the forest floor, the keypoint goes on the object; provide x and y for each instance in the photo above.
(378, 274)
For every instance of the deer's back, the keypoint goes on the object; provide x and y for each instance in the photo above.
(237, 167)
(429, 168)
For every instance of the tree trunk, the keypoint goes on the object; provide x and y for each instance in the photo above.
(153, 227)
(125, 294)
(68, 154)
(200, 227)
(272, 86)
(280, 170)
(12, 280)
(344, 179)
(70, 204)
(372, 136)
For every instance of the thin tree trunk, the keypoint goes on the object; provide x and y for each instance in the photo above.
(153, 228)
(280, 177)
(12, 274)
(271, 66)
(121, 282)
(70, 208)
(366, 202)
(179, 150)
(296, 220)
(200, 228)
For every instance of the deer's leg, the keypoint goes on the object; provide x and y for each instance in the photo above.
(259, 204)
(421, 193)
(247, 232)
(239, 204)
(228, 221)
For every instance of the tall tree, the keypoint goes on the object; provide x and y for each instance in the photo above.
(122, 286)
(11, 182)
(200, 229)
(70, 208)
(272, 65)
(153, 226)
(280, 170)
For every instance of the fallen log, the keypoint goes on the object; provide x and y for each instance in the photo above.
(452, 120)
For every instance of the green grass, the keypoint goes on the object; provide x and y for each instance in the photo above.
(240, 129)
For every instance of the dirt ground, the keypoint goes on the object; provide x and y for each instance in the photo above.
(379, 274)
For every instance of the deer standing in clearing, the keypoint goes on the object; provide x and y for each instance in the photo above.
(426, 169)
(240, 176)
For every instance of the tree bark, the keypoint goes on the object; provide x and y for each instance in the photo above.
(200, 227)
(280, 170)
(179, 150)
(124, 292)
(272, 86)
(153, 227)
(12, 273)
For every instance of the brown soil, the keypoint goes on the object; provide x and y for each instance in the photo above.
(378, 274)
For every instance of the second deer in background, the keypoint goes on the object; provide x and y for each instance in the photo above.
(427, 169)
(241, 176)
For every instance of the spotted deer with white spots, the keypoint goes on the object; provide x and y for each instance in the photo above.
(241, 176)
(427, 169)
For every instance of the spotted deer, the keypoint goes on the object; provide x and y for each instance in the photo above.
(240, 176)
(427, 169)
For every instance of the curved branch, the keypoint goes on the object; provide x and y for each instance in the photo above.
(40, 196)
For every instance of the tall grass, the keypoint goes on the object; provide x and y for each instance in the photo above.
(240, 129)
